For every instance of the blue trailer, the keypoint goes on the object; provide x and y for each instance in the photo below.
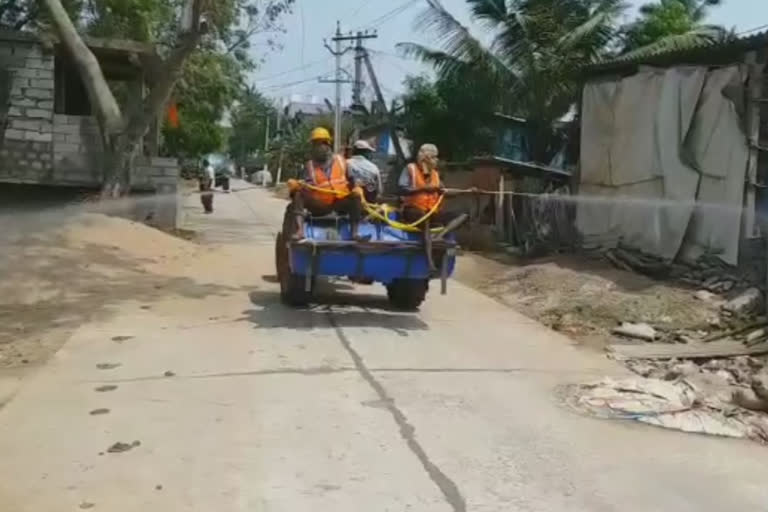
(393, 257)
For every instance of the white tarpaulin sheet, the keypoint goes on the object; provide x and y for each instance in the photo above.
(663, 161)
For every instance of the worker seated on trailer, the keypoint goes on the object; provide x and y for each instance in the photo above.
(421, 188)
(363, 173)
(330, 189)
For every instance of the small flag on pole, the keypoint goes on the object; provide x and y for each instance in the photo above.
(173, 115)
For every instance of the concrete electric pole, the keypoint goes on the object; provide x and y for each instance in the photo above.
(360, 54)
(338, 52)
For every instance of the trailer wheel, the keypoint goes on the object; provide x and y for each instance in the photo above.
(292, 286)
(407, 294)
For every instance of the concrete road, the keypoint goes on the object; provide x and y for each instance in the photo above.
(239, 404)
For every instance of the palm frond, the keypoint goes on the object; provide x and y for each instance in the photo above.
(492, 13)
(700, 11)
(513, 40)
(702, 36)
(443, 62)
(449, 32)
(597, 31)
(457, 41)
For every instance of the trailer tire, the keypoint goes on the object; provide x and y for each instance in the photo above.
(295, 293)
(407, 294)
(293, 290)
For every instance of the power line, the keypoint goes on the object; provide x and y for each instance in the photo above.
(363, 5)
(751, 30)
(289, 84)
(392, 60)
(303, 31)
(390, 14)
(293, 70)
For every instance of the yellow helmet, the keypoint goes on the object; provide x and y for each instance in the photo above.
(320, 133)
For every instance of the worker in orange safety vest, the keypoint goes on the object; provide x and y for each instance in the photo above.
(325, 171)
(421, 188)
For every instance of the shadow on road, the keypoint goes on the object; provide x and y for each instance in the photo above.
(351, 310)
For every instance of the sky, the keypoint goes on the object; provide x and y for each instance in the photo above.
(294, 69)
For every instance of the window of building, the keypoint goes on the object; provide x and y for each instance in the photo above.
(71, 97)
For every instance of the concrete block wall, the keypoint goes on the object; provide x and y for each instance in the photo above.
(38, 146)
(161, 177)
(78, 155)
(27, 138)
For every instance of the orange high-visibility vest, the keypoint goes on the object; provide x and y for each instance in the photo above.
(337, 180)
(424, 201)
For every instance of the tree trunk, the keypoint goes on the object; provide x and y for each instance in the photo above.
(118, 166)
(102, 100)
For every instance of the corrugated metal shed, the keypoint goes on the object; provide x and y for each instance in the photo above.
(712, 53)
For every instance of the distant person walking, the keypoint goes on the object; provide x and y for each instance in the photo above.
(207, 181)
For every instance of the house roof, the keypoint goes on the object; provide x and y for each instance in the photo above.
(518, 168)
(707, 53)
(94, 43)
(120, 58)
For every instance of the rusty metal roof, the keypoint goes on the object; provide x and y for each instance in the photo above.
(713, 53)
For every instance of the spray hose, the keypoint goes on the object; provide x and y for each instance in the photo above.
(378, 211)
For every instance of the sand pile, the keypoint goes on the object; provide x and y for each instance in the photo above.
(130, 238)
(59, 271)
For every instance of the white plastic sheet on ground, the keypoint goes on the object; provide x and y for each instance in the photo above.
(663, 161)
(674, 405)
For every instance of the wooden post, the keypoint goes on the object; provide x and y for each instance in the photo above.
(750, 228)
(512, 231)
(500, 209)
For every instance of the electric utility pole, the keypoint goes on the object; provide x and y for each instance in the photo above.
(389, 116)
(360, 53)
(338, 52)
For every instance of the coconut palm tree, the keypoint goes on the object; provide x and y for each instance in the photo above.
(533, 58)
(672, 25)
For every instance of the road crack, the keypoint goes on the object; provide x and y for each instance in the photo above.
(447, 487)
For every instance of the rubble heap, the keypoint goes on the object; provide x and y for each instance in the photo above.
(708, 272)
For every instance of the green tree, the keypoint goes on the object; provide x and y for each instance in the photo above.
(214, 76)
(453, 112)
(534, 59)
(27, 14)
(671, 25)
(249, 124)
(208, 87)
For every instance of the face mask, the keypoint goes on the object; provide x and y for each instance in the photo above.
(320, 152)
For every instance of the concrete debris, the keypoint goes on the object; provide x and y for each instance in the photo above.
(748, 302)
(684, 369)
(756, 335)
(684, 404)
(727, 394)
(637, 331)
(725, 348)
(708, 272)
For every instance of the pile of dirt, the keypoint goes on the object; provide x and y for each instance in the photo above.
(585, 298)
(60, 270)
